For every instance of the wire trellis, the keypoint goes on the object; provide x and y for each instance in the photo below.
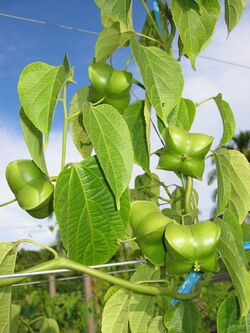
(60, 271)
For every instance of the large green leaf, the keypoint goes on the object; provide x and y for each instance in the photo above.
(230, 254)
(162, 77)
(192, 318)
(147, 187)
(196, 25)
(49, 325)
(80, 138)
(34, 141)
(111, 139)
(109, 40)
(141, 307)
(173, 319)
(147, 117)
(115, 313)
(156, 325)
(233, 12)
(222, 162)
(124, 308)
(228, 320)
(239, 201)
(85, 209)
(185, 317)
(233, 174)
(134, 117)
(39, 89)
(183, 114)
(7, 265)
(227, 116)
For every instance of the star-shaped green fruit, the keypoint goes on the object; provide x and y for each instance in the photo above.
(185, 152)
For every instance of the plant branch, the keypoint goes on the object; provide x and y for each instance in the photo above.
(202, 102)
(188, 194)
(148, 37)
(65, 127)
(153, 23)
(30, 241)
(63, 263)
(7, 203)
(138, 83)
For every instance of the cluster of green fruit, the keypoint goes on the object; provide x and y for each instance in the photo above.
(184, 247)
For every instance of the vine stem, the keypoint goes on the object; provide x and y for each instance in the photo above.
(7, 203)
(202, 102)
(26, 324)
(153, 23)
(30, 241)
(188, 194)
(148, 37)
(64, 263)
(65, 127)
(138, 83)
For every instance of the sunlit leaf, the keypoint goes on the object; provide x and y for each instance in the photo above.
(80, 138)
(162, 77)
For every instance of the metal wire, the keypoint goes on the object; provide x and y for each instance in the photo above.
(60, 271)
(61, 26)
(70, 278)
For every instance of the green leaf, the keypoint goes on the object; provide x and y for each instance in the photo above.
(183, 115)
(146, 188)
(222, 162)
(86, 213)
(233, 12)
(39, 89)
(173, 319)
(34, 141)
(185, 317)
(239, 201)
(233, 174)
(115, 313)
(195, 24)
(228, 320)
(235, 265)
(162, 77)
(111, 139)
(7, 266)
(134, 117)
(15, 314)
(141, 307)
(147, 117)
(156, 325)
(116, 10)
(191, 319)
(80, 138)
(49, 325)
(109, 40)
(227, 116)
(236, 230)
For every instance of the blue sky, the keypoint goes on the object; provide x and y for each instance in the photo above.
(22, 43)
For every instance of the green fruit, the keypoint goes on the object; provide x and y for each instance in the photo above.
(120, 103)
(99, 75)
(192, 247)
(185, 152)
(31, 187)
(149, 224)
(109, 85)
